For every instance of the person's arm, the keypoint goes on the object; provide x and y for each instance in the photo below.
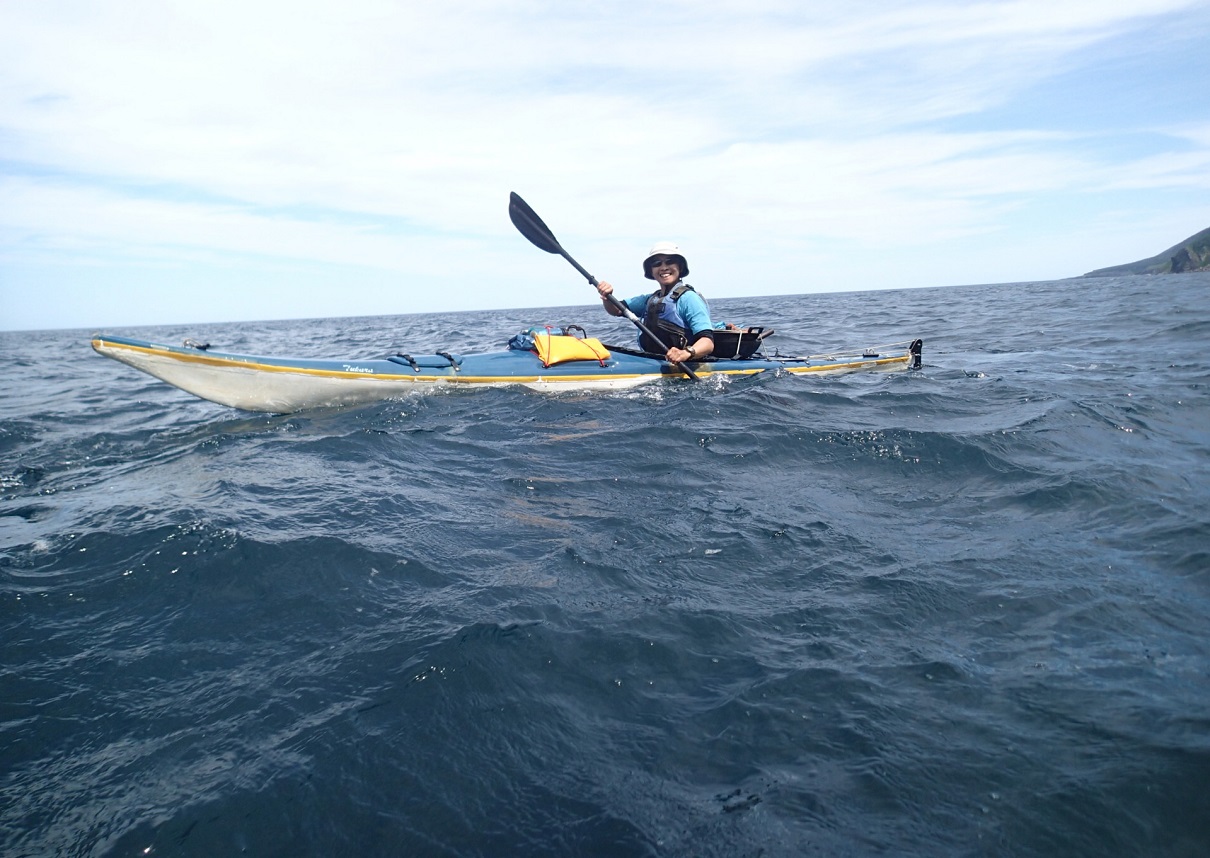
(605, 289)
(700, 347)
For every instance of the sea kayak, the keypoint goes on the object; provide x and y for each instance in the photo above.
(283, 385)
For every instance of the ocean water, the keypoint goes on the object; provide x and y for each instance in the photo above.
(963, 611)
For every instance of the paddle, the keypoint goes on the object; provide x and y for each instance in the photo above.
(530, 225)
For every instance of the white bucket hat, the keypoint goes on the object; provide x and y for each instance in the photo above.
(664, 248)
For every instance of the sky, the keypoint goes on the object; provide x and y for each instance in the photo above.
(193, 161)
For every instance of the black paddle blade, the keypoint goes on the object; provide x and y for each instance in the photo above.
(530, 225)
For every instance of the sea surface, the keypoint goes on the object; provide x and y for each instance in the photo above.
(963, 611)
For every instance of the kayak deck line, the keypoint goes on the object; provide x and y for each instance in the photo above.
(101, 344)
(284, 385)
(106, 345)
(110, 347)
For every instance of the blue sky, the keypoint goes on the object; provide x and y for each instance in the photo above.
(188, 161)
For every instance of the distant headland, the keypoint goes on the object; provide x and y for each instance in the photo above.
(1192, 254)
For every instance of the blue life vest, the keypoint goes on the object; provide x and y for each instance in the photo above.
(665, 321)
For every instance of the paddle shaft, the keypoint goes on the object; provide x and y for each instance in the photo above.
(612, 299)
(528, 223)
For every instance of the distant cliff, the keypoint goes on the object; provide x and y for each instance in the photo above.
(1192, 254)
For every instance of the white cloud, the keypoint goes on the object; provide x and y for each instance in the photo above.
(383, 134)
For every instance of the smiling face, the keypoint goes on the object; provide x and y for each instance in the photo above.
(665, 270)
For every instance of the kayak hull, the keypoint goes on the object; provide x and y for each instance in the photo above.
(286, 385)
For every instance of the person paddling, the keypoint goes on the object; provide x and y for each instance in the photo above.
(675, 312)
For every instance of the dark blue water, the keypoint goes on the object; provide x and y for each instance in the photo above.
(963, 611)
